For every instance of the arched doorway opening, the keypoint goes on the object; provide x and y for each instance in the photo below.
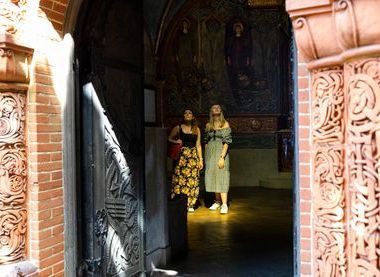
(106, 107)
(204, 58)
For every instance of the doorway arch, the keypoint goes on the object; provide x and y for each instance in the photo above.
(90, 60)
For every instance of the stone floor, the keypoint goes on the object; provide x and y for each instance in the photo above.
(253, 239)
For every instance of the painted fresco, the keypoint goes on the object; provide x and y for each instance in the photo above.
(219, 51)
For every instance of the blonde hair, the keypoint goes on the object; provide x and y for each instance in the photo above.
(210, 126)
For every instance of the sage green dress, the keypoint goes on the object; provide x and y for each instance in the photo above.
(217, 180)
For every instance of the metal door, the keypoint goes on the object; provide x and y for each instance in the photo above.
(110, 195)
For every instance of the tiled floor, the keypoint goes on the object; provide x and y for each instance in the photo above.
(253, 239)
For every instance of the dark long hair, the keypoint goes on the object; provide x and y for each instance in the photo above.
(194, 122)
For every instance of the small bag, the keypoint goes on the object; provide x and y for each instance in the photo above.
(174, 149)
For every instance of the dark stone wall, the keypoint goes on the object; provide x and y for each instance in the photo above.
(204, 59)
(207, 61)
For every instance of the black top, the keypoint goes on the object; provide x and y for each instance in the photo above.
(188, 140)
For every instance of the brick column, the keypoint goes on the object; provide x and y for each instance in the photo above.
(304, 144)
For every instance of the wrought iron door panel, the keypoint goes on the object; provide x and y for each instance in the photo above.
(113, 218)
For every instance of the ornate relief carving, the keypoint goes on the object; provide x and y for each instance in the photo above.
(123, 240)
(247, 125)
(12, 177)
(305, 40)
(14, 60)
(328, 195)
(328, 106)
(6, 52)
(345, 20)
(264, 3)
(363, 136)
(11, 12)
(256, 124)
(101, 226)
(328, 186)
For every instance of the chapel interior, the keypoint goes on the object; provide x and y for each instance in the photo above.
(237, 53)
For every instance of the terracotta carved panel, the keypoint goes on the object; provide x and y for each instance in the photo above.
(11, 13)
(14, 65)
(13, 174)
(341, 33)
(328, 186)
(328, 195)
(327, 106)
(363, 137)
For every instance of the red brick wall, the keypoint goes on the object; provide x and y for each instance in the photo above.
(55, 11)
(44, 147)
(305, 182)
(45, 173)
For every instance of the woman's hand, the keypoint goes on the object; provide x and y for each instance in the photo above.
(221, 163)
(200, 164)
(178, 141)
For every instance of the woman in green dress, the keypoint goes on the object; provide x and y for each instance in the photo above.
(217, 176)
(185, 178)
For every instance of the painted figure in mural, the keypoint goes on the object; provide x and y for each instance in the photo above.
(217, 176)
(238, 51)
(185, 49)
(212, 56)
(185, 178)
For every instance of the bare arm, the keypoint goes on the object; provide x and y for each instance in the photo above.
(173, 135)
(224, 150)
(199, 146)
(199, 150)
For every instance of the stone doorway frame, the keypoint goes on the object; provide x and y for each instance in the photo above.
(70, 158)
(339, 90)
(69, 144)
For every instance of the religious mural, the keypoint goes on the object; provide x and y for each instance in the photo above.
(220, 51)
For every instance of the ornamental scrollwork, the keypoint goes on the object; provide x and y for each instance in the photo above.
(363, 137)
(101, 227)
(329, 182)
(13, 173)
(305, 38)
(328, 106)
(329, 205)
(123, 239)
(346, 24)
(11, 13)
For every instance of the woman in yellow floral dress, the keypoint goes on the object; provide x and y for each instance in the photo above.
(186, 172)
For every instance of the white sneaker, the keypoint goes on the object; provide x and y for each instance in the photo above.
(191, 210)
(214, 206)
(224, 209)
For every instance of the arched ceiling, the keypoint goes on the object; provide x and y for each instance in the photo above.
(157, 15)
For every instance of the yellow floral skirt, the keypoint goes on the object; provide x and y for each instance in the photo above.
(186, 176)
